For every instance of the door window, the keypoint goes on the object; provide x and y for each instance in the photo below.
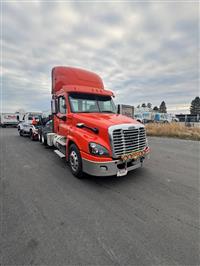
(62, 105)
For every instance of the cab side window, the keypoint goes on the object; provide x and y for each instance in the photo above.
(62, 105)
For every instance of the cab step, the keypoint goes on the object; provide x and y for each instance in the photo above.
(59, 153)
(61, 142)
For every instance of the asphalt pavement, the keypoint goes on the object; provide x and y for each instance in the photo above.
(48, 217)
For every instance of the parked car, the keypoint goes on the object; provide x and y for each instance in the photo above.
(139, 117)
(30, 125)
(175, 119)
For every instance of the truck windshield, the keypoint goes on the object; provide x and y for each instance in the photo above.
(87, 103)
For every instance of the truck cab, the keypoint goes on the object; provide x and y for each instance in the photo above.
(88, 131)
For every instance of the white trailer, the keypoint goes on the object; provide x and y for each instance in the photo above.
(9, 119)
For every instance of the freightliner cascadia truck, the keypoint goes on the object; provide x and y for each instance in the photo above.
(87, 130)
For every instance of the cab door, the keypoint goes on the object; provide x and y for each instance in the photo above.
(62, 127)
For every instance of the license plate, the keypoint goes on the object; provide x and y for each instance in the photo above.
(122, 172)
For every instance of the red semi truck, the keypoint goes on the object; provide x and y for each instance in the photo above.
(87, 130)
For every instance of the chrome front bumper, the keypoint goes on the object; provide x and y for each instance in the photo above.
(109, 168)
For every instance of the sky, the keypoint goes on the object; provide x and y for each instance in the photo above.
(145, 51)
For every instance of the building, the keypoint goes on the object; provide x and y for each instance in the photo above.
(188, 118)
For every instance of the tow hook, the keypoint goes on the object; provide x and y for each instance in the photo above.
(141, 160)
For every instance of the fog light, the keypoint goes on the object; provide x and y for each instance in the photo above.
(104, 168)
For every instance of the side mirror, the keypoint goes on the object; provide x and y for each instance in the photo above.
(53, 106)
(118, 109)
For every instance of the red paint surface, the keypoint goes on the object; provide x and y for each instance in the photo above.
(66, 80)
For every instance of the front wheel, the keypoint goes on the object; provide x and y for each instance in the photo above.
(75, 161)
(21, 133)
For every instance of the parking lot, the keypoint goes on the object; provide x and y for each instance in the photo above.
(48, 217)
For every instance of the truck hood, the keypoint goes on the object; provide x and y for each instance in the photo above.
(103, 120)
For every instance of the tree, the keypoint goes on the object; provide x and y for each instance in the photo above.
(144, 105)
(163, 108)
(138, 106)
(149, 105)
(195, 106)
(156, 108)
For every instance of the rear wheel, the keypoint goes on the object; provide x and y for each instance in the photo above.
(43, 140)
(32, 136)
(39, 137)
(75, 161)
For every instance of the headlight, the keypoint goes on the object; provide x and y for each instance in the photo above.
(97, 149)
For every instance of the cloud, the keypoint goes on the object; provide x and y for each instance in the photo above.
(146, 51)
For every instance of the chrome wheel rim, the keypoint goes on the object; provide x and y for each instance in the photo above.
(42, 139)
(39, 137)
(74, 161)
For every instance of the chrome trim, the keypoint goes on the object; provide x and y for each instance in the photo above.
(106, 168)
(126, 138)
(104, 162)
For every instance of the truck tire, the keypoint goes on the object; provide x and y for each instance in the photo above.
(40, 137)
(75, 161)
(21, 133)
(43, 140)
(32, 136)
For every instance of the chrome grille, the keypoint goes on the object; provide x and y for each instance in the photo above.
(127, 140)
